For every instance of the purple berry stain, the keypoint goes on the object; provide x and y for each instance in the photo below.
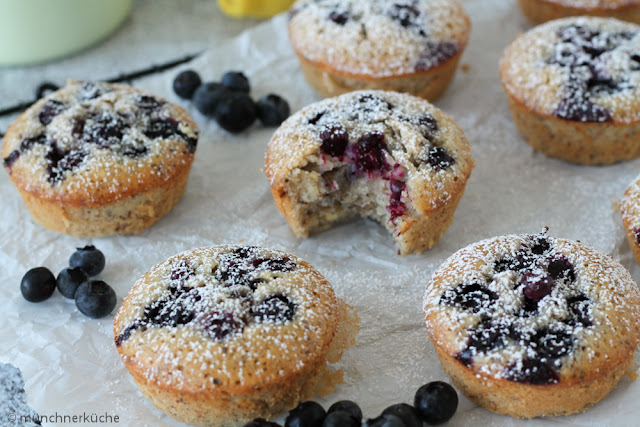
(368, 154)
(334, 139)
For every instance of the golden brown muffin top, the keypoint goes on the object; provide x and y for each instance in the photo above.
(95, 143)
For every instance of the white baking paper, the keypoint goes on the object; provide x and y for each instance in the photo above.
(69, 362)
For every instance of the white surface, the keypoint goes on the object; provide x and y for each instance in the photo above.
(69, 362)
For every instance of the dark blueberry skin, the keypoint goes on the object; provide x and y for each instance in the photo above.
(440, 158)
(186, 83)
(405, 14)
(472, 296)
(436, 402)
(272, 110)
(50, 109)
(90, 259)
(579, 307)
(95, 299)
(347, 406)
(532, 371)
(340, 419)
(69, 279)
(306, 414)
(207, 97)
(406, 412)
(261, 422)
(396, 208)
(339, 18)
(387, 420)
(162, 128)
(220, 324)
(334, 139)
(560, 268)
(368, 154)
(537, 286)
(148, 102)
(38, 284)
(236, 112)
(276, 309)
(59, 161)
(435, 54)
(236, 81)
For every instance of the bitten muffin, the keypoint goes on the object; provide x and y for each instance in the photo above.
(387, 156)
(96, 159)
(221, 335)
(539, 11)
(573, 87)
(530, 325)
(630, 209)
(406, 46)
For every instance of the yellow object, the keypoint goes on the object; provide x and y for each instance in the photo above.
(254, 8)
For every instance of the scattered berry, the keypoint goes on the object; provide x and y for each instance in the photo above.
(347, 406)
(38, 284)
(95, 298)
(236, 112)
(69, 279)
(236, 81)
(90, 259)
(407, 413)
(186, 83)
(436, 402)
(272, 110)
(306, 414)
(340, 419)
(385, 421)
(207, 97)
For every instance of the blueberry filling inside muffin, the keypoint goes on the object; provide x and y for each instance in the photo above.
(220, 302)
(534, 316)
(587, 56)
(365, 154)
(94, 125)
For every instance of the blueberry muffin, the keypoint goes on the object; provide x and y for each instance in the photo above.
(97, 159)
(573, 87)
(530, 325)
(221, 335)
(539, 11)
(387, 156)
(407, 45)
(630, 209)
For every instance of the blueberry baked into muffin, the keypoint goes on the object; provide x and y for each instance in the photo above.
(97, 159)
(630, 209)
(531, 325)
(573, 87)
(387, 156)
(539, 11)
(221, 335)
(406, 45)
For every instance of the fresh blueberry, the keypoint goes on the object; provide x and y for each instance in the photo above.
(90, 259)
(207, 97)
(236, 112)
(69, 279)
(235, 81)
(385, 421)
(347, 406)
(306, 414)
(38, 284)
(186, 83)
(261, 422)
(436, 402)
(272, 110)
(406, 412)
(95, 298)
(340, 419)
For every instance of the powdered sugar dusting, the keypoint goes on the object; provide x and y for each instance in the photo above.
(491, 296)
(98, 141)
(583, 69)
(378, 38)
(227, 315)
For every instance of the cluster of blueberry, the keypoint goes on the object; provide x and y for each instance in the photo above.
(434, 403)
(94, 298)
(229, 102)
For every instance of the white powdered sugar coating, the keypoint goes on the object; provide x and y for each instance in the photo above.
(226, 337)
(378, 38)
(556, 69)
(587, 311)
(101, 141)
(631, 209)
(411, 129)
